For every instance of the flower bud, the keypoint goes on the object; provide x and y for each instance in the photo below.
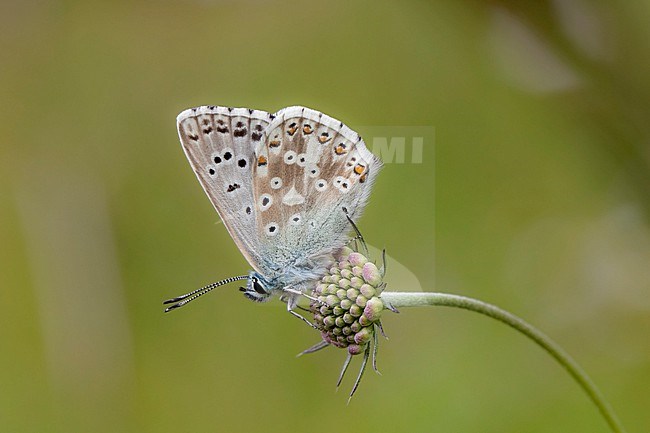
(371, 274)
(355, 310)
(332, 300)
(363, 336)
(373, 309)
(357, 259)
(354, 349)
(329, 322)
(367, 290)
(356, 282)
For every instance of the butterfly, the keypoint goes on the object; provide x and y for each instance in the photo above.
(288, 187)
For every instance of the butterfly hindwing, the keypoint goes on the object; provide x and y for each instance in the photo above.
(220, 144)
(311, 171)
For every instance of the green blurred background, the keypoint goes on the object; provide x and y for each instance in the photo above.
(533, 194)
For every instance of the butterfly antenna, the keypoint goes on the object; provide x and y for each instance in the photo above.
(189, 297)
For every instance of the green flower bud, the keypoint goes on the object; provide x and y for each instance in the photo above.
(338, 311)
(368, 291)
(347, 318)
(332, 300)
(352, 294)
(329, 322)
(356, 311)
(373, 309)
(363, 336)
(356, 282)
(361, 301)
(346, 304)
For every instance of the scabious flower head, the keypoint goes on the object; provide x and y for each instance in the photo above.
(347, 302)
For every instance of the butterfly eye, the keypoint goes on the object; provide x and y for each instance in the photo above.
(258, 287)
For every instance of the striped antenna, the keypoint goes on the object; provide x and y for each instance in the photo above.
(189, 297)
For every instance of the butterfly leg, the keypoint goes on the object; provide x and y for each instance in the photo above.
(359, 236)
(291, 304)
(299, 293)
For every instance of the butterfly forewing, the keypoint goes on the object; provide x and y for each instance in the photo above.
(220, 144)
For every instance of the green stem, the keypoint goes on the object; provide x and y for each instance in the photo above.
(412, 299)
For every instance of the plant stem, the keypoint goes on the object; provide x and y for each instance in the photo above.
(417, 299)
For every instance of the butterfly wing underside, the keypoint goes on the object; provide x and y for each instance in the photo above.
(311, 173)
(219, 143)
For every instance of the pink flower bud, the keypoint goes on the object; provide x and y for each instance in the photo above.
(371, 274)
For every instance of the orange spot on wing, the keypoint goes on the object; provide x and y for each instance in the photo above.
(261, 160)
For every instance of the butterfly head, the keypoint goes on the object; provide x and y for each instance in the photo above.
(257, 288)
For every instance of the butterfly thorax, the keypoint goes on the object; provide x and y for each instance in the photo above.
(301, 276)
